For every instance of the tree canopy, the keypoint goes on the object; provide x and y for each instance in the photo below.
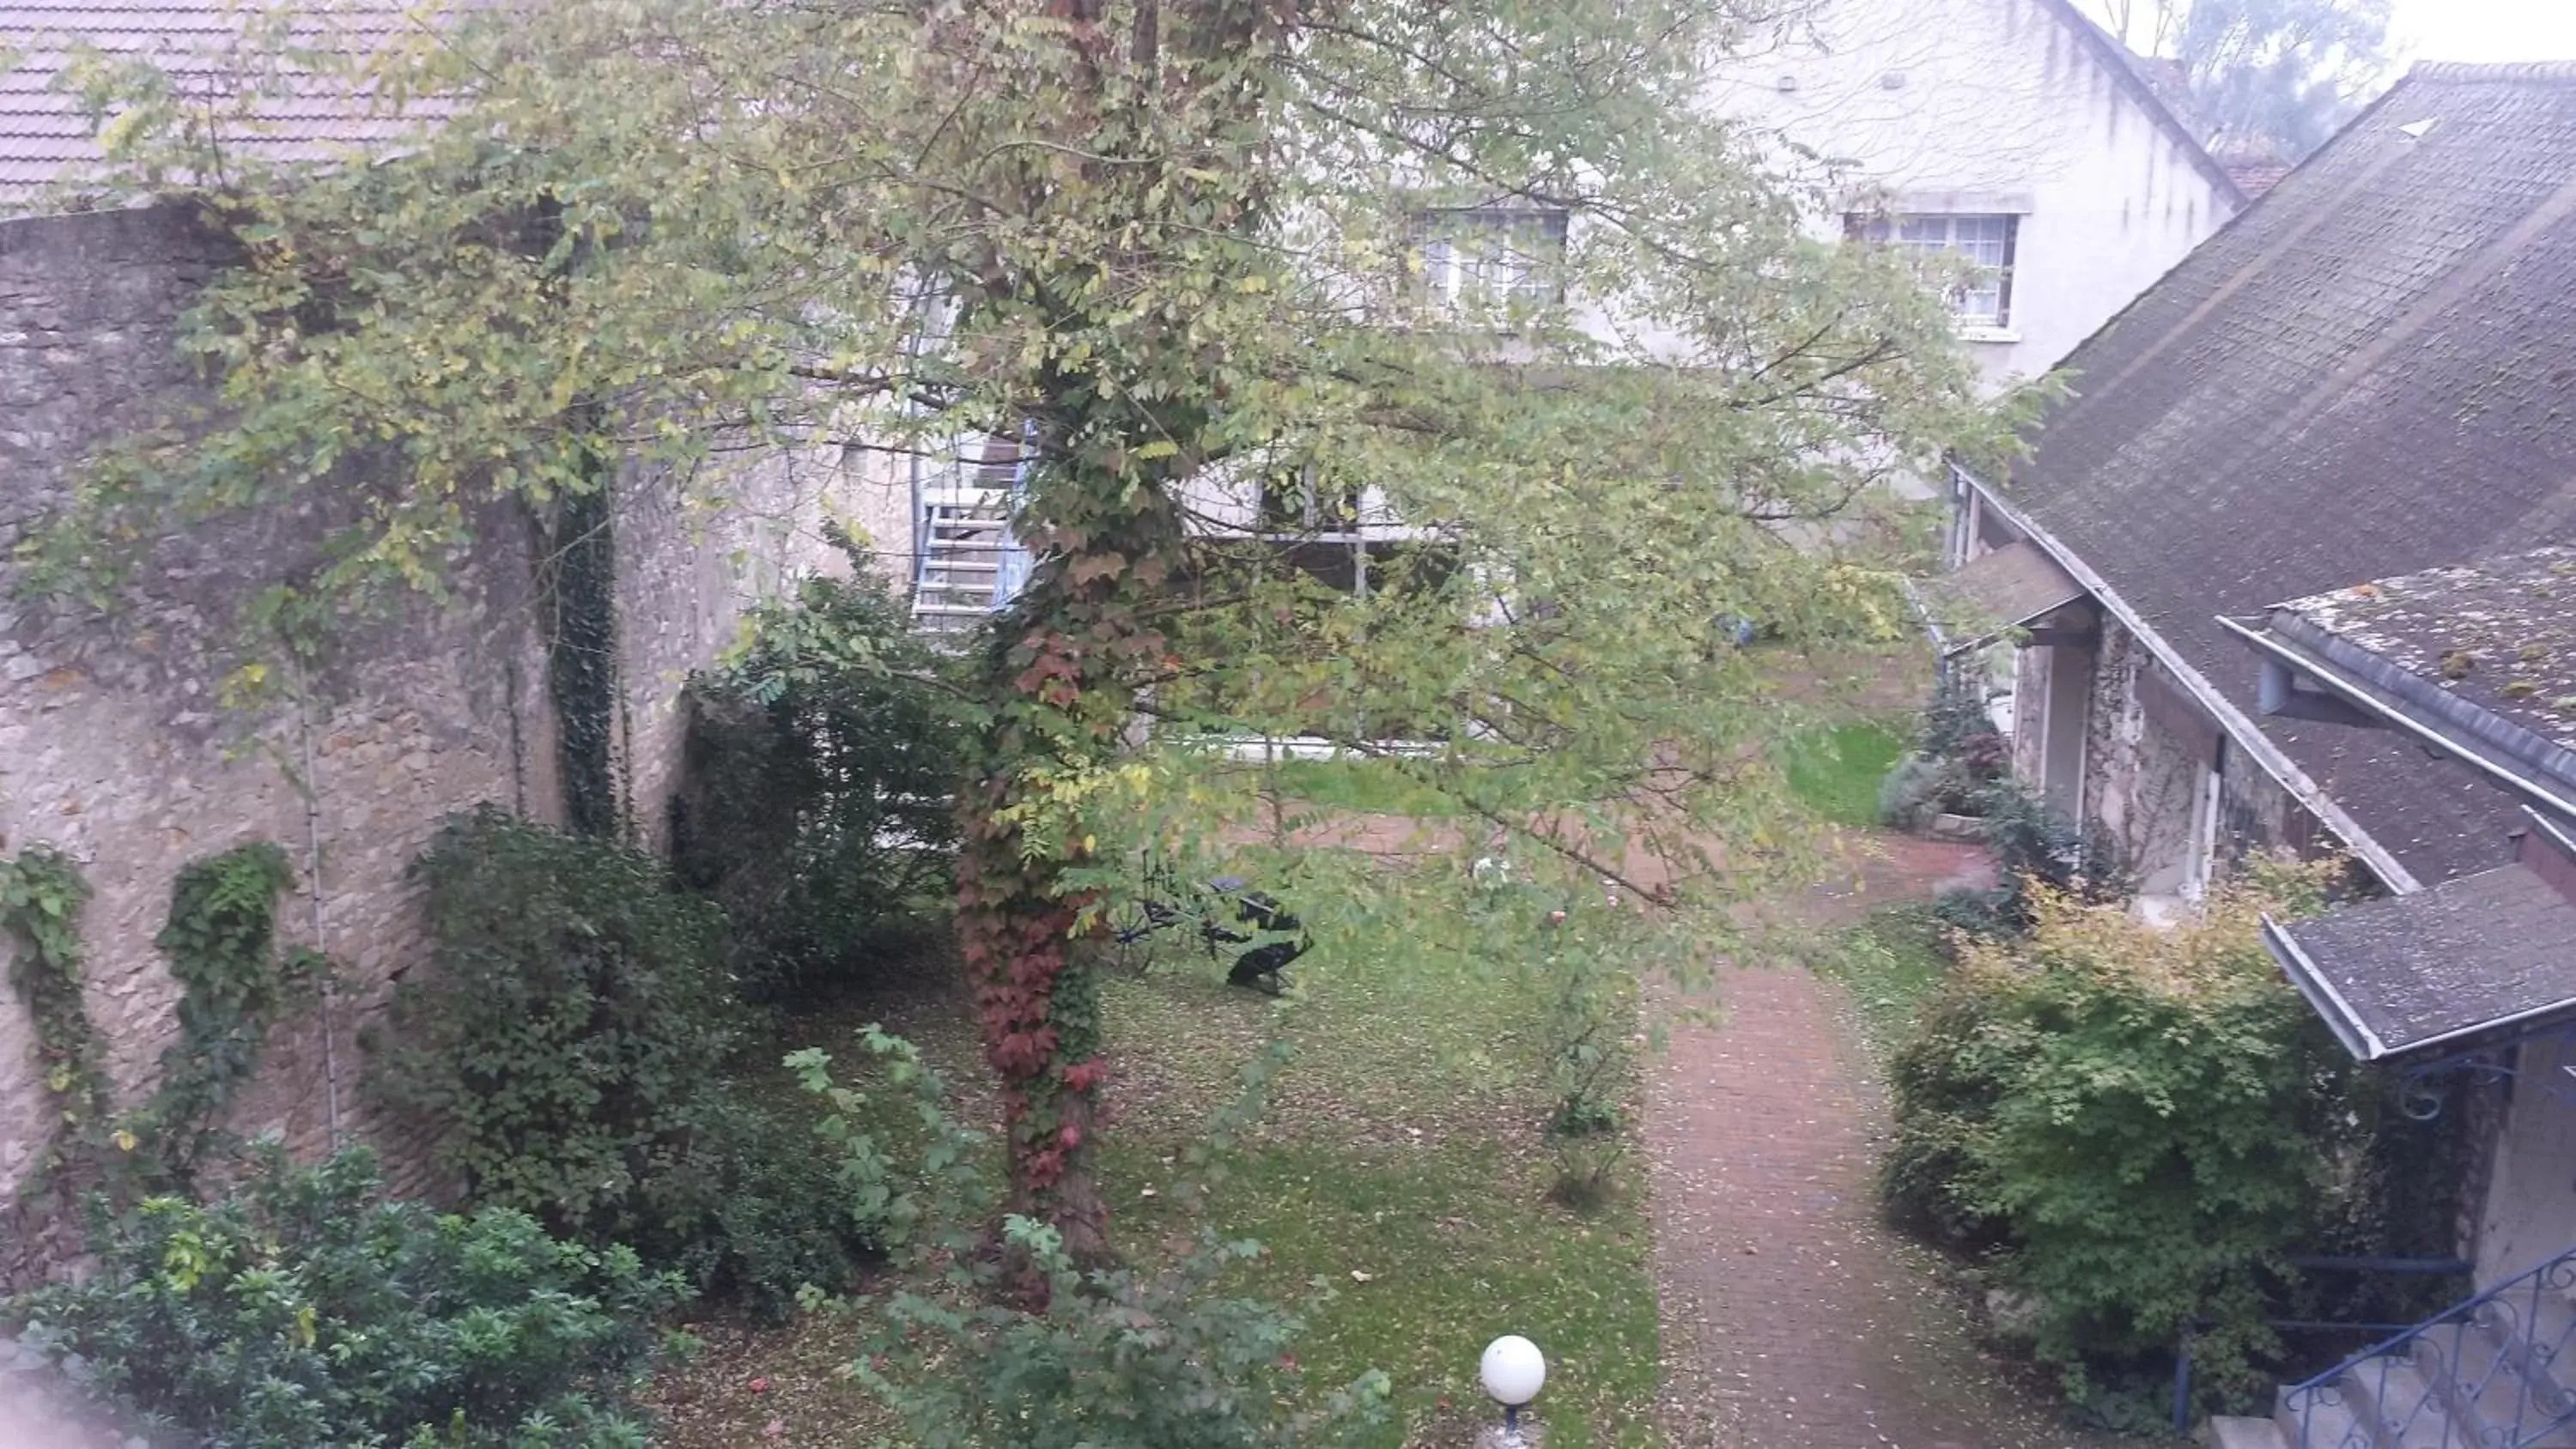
(2270, 75)
(1177, 246)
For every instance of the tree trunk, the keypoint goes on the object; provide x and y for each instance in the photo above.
(1062, 667)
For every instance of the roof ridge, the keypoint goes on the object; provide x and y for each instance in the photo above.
(2511, 70)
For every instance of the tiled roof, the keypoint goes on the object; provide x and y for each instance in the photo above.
(2366, 375)
(2410, 971)
(2498, 636)
(44, 129)
(2254, 175)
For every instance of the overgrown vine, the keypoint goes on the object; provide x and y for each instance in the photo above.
(41, 895)
(579, 585)
(221, 941)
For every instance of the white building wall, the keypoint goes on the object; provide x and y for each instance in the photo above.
(1981, 107)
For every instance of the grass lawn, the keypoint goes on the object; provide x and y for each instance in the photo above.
(1401, 1167)
(1836, 770)
(1891, 964)
(1367, 787)
(1398, 1180)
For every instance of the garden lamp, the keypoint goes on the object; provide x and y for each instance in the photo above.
(1513, 1371)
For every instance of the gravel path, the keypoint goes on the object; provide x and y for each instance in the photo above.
(1793, 1319)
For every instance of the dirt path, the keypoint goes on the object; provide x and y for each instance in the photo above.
(1793, 1320)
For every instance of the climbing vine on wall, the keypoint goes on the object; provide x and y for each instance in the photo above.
(234, 983)
(579, 582)
(221, 941)
(41, 895)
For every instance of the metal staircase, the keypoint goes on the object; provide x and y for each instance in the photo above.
(967, 563)
(2492, 1372)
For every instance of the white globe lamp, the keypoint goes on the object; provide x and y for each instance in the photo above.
(1513, 1371)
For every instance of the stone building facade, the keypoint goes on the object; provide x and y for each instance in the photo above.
(115, 750)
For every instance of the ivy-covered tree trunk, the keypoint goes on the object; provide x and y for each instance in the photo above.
(1064, 663)
(1129, 244)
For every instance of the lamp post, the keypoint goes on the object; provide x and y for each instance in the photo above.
(1513, 1371)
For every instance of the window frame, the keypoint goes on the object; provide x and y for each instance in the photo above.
(1529, 241)
(1888, 229)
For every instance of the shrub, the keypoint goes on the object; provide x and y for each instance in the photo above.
(1907, 796)
(1954, 718)
(2036, 847)
(819, 770)
(571, 1043)
(1958, 756)
(2146, 1123)
(303, 1310)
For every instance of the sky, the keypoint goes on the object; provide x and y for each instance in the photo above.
(2484, 30)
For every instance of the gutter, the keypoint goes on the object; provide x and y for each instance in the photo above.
(2331, 1008)
(2396, 715)
(2247, 735)
(2347, 1025)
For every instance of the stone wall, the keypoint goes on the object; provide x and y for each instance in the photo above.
(2148, 748)
(112, 745)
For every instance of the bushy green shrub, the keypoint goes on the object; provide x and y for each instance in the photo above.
(305, 1310)
(1954, 720)
(2143, 1124)
(1159, 1360)
(819, 771)
(1957, 757)
(1908, 796)
(571, 1042)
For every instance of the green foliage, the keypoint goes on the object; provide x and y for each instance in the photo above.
(1372, 787)
(221, 942)
(2143, 1123)
(822, 769)
(1167, 244)
(1157, 1360)
(2036, 849)
(2281, 76)
(1957, 758)
(1954, 720)
(304, 1310)
(578, 579)
(1165, 1358)
(1910, 793)
(1591, 1023)
(41, 895)
(1836, 772)
(570, 1042)
(2275, 77)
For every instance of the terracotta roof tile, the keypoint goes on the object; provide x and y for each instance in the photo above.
(45, 131)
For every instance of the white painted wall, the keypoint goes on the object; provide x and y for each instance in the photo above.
(1978, 106)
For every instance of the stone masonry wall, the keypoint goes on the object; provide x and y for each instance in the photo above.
(113, 749)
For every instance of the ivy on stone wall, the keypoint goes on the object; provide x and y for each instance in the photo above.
(41, 895)
(221, 941)
(579, 580)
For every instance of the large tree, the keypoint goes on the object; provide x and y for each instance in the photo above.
(2269, 75)
(1177, 247)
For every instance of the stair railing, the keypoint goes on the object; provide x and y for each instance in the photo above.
(2484, 1373)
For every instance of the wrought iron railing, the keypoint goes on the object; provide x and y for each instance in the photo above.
(2486, 1373)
